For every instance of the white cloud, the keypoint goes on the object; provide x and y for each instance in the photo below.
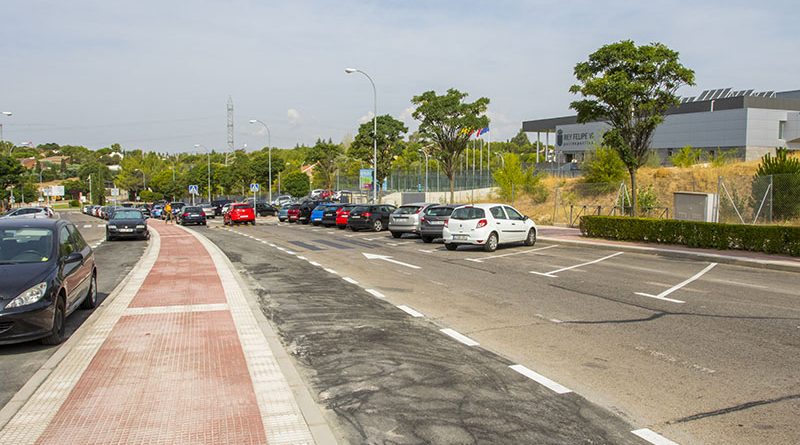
(293, 116)
(366, 118)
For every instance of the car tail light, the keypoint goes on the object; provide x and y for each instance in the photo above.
(418, 210)
(447, 222)
(366, 214)
(202, 213)
(185, 215)
(422, 219)
(482, 223)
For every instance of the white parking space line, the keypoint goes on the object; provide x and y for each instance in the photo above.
(290, 252)
(540, 379)
(375, 293)
(663, 295)
(427, 251)
(482, 259)
(87, 226)
(551, 273)
(331, 271)
(461, 338)
(314, 263)
(350, 280)
(653, 437)
(410, 311)
(101, 225)
(302, 258)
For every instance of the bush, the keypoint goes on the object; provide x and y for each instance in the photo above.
(74, 203)
(686, 157)
(768, 239)
(605, 169)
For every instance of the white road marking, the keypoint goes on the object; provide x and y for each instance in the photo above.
(426, 251)
(272, 245)
(459, 337)
(87, 226)
(550, 274)
(662, 295)
(314, 263)
(101, 225)
(540, 379)
(375, 293)
(482, 259)
(653, 437)
(290, 252)
(331, 271)
(410, 311)
(556, 320)
(280, 248)
(302, 258)
(350, 280)
(372, 256)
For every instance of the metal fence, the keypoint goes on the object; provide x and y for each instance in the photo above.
(759, 199)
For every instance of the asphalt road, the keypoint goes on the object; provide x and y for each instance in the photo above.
(114, 260)
(709, 360)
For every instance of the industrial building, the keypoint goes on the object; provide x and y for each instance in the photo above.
(743, 124)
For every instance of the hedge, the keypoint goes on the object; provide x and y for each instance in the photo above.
(757, 238)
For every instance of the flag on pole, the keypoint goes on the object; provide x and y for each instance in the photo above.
(478, 133)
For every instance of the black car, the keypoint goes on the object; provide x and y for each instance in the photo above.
(372, 216)
(329, 215)
(218, 204)
(47, 271)
(127, 223)
(264, 209)
(432, 221)
(306, 207)
(192, 215)
(176, 208)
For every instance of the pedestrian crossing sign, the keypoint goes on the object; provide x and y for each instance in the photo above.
(254, 187)
(194, 189)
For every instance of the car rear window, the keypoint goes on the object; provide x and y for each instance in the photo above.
(241, 206)
(468, 213)
(320, 208)
(359, 209)
(192, 209)
(407, 210)
(127, 214)
(439, 211)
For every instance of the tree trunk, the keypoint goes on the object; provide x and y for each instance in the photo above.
(633, 192)
(452, 188)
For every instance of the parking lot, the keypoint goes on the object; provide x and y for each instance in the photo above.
(703, 352)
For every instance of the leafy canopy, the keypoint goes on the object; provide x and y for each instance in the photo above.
(390, 138)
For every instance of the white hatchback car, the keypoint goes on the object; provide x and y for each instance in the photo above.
(488, 225)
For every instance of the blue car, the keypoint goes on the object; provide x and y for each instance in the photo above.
(157, 211)
(317, 213)
(283, 214)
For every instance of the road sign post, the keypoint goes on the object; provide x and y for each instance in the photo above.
(254, 187)
(194, 189)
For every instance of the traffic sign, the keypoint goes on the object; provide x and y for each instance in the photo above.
(254, 188)
(194, 189)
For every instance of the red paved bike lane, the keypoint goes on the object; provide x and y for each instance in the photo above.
(171, 373)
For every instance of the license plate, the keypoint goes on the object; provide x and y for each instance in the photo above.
(355, 217)
(126, 230)
(193, 215)
(436, 223)
(460, 237)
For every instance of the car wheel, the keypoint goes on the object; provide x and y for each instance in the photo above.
(341, 227)
(491, 243)
(531, 238)
(109, 237)
(396, 234)
(427, 239)
(90, 302)
(378, 225)
(59, 324)
(451, 246)
(252, 223)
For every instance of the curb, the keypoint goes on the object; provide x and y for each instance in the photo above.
(39, 377)
(785, 266)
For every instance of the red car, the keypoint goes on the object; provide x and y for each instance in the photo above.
(239, 213)
(293, 214)
(342, 214)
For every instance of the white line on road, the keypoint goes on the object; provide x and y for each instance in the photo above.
(290, 252)
(459, 337)
(375, 293)
(482, 259)
(331, 271)
(372, 256)
(662, 295)
(272, 245)
(302, 258)
(350, 280)
(410, 311)
(653, 437)
(87, 226)
(280, 248)
(314, 263)
(101, 225)
(540, 379)
(426, 251)
(550, 274)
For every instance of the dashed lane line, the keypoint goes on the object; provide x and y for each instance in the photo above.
(375, 293)
(350, 280)
(540, 379)
(461, 338)
(653, 437)
(330, 271)
(410, 311)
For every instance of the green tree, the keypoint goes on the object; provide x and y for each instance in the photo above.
(325, 155)
(448, 122)
(296, 183)
(389, 141)
(629, 87)
(686, 157)
(512, 179)
(10, 174)
(521, 141)
(603, 169)
(99, 174)
(785, 173)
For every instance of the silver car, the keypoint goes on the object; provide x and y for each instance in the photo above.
(208, 209)
(406, 218)
(27, 212)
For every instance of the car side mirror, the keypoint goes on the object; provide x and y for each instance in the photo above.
(525, 217)
(74, 257)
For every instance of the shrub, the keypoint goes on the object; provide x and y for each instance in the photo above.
(74, 203)
(686, 157)
(604, 168)
(768, 239)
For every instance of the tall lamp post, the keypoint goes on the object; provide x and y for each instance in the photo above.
(269, 151)
(426, 172)
(5, 113)
(374, 133)
(208, 169)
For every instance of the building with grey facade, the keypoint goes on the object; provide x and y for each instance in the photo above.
(743, 124)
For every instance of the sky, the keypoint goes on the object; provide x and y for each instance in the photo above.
(156, 74)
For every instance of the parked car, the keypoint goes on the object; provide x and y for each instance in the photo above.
(306, 207)
(208, 209)
(373, 216)
(406, 219)
(177, 206)
(26, 213)
(145, 209)
(192, 215)
(283, 213)
(47, 271)
(158, 211)
(330, 213)
(239, 213)
(319, 212)
(127, 223)
(282, 200)
(487, 225)
(264, 209)
(293, 213)
(432, 221)
(343, 214)
(218, 205)
(86, 209)
(316, 193)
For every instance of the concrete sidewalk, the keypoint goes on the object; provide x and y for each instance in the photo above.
(175, 357)
(569, 235)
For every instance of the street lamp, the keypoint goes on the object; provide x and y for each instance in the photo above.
(374, 133)
(269, 150)
(5, 113)
(208, 171)
(426, 171)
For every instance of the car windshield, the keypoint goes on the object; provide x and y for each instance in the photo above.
(359, 209)
(192, 209)
(468, 213)
(439, 211)
(127, 214)
(25, 245)
(320, 208)
(407, 210)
